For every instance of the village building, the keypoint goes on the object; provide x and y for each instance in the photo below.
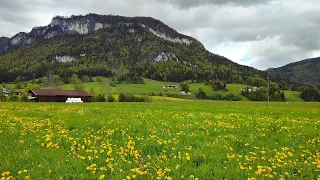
(171, 86)
(5, 91)
(249, 89)
(49, 95)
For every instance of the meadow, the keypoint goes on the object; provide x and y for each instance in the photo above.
(156, 87)
(160, 140)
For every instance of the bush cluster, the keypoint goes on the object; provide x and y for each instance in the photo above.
(217, 96)
(132, 98)
(310, 95)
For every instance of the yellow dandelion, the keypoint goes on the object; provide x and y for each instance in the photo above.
(259, 171)
(5, 173)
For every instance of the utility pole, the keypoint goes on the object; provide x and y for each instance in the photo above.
(268, 96)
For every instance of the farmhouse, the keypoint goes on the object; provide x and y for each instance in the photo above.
(5, 91)
(49, 95)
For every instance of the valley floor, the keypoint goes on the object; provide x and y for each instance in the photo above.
(165, 140)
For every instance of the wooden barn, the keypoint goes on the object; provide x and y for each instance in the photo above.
(49, 95)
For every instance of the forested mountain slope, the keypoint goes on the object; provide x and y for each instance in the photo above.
(306, 72)
(106, 45)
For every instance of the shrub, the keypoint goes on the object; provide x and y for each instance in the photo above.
(110, 98)
(151, 94)
(14, 98)
(3, 98)
(201, 94)
(217, 84)
(184, 87)
(232, 97)
(18, 86)
(216, 96)
(24, 98)
(99, 98)
(30, 86)
(121, 98)
(113, 83)
(133, 98)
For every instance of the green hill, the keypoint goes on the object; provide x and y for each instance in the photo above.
(304, 72)
(140, 89)
(113, 46)
(156, 88)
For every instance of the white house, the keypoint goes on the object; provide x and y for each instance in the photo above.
(5, 91)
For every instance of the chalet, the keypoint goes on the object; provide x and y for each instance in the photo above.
(5, 91)
(49, 95)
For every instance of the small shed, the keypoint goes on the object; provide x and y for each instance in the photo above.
(50, 95)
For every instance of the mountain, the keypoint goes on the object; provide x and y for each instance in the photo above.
(305, 72)
(106, 45)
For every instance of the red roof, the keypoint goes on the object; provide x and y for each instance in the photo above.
(52, 92)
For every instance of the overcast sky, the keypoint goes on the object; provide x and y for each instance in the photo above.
(258, 33)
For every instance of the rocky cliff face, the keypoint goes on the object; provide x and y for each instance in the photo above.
(90, 23)
(4, 44)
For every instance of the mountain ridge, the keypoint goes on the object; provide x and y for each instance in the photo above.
(88, 24)
(304, 72)
(104, 45)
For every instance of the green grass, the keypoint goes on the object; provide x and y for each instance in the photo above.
(156, 88)
(12, 86)
(189, 139)
(87, 86)
(231, 88)
(293, 96)
(148, 87)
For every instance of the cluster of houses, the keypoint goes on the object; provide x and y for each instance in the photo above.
(249, 89)
(7, 93)
(170, 86)
(175, 87)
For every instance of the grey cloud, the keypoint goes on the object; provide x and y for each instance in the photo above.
(294, 24)
(194, 3)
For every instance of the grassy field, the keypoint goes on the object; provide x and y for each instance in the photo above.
(231, 88)
(164, 140)
(293, 96)
(149, 86)
(156, 87)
